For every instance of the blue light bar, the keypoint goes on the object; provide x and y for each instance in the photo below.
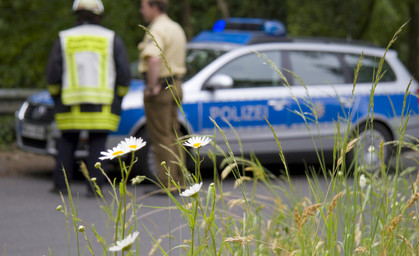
(241, 30)
(270, 27)
(219, 26)
(274, 27)
(234, 37)
(245, 20)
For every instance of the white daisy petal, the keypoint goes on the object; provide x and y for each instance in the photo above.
(197, 142)
(133, 143)
(124, 244)
(114, 152)
(192, 190)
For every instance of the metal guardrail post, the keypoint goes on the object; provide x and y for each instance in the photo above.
(12, 99)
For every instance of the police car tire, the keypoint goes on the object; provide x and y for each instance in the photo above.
(145, 160)
(367, 153)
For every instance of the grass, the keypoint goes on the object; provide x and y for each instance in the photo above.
(348, 211)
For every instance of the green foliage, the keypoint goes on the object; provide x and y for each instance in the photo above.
(29, 28)
(123, 16)
(7, 132)
(356, 19)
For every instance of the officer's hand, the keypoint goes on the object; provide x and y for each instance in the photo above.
(152, 91)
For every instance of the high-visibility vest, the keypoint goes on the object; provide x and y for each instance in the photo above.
(88, 65)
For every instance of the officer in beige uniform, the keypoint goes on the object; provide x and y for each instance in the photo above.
(164, 49)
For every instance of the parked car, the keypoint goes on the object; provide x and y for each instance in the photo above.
(241, 79)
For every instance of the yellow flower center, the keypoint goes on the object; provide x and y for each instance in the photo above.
(133, 146)
(117, 153)
(197, 145)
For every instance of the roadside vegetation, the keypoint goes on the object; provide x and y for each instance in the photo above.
(25, 46)
(361, 211)
(7, 131)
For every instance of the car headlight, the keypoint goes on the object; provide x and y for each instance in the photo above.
(22, 110)
(40, 111)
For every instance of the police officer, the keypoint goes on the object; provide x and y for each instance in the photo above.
(168, 40)
(87, 74)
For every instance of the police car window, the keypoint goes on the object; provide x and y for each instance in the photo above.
(251, 70)
(316, 68)
(369, 68)
(197, 59)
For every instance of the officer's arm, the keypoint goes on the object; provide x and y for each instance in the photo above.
(55, 70)
(123, 72)
(153, 86)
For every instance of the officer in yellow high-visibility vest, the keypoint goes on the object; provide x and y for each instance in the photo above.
(88, 74)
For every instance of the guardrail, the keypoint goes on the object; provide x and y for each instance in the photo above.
(12, 99)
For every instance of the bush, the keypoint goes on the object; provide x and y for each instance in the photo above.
(7, 130)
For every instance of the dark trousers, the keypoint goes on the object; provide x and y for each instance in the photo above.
(67, 145)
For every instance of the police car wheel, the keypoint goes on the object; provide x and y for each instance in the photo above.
(367, 149)
(145, 164)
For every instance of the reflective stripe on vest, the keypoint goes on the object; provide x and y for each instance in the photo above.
(76, 120)
(89, 68)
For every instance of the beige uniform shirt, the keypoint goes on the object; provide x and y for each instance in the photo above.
(171, 39)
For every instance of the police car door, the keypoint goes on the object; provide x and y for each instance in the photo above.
(244, 92)
(322, 88)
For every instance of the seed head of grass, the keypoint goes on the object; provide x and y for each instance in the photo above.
(394, 222)
(297, 218)
(240, 181)
(309, 212)
(349, 147)
(412, 200)
(239, 239)
(361, 250)
(228, 170)
(333, 203)
(236, 202)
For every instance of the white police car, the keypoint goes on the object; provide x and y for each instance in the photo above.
(310, 105)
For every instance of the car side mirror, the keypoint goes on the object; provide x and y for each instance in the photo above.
(219, 81)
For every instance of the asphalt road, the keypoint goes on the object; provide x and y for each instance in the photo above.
(30, 224)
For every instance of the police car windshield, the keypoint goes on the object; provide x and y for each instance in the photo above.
(197, 59)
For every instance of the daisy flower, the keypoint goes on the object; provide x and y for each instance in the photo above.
(133, 144)
(192, 190)
(197, 142)
(362, 181)
(124, 244)
(117, 151)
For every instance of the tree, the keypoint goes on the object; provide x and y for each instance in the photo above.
(29, 28)
(222, 5)
(366, 20)
(413, 38)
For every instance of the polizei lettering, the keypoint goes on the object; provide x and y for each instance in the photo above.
(240, 113)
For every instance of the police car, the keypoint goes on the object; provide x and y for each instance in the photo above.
(246, 76)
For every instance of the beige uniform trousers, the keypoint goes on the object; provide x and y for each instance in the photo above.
(163, 129)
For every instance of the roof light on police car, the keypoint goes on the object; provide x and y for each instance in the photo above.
(269, 27)
(219, 26)
(274, 27)
(94, 6)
